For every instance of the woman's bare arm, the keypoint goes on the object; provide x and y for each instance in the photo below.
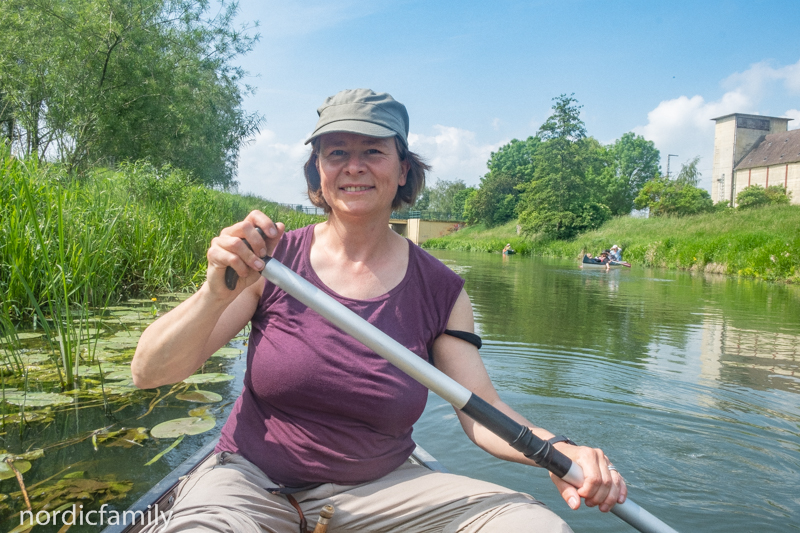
(177, 344)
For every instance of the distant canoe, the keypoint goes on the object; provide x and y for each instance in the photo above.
(591, 265)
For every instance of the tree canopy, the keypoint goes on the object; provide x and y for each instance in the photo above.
(562, 181)
(105, 81)
(495, 201)
(562, 199)
(632, 161)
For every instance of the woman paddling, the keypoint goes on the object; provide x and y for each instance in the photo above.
(322, 419)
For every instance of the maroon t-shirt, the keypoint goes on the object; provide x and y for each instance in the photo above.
(320, 407)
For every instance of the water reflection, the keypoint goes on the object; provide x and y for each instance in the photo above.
(690, 380)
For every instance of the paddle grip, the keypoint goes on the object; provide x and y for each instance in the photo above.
(520, 437)
(231, 277)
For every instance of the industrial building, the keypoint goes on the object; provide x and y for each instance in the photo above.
(754, 150)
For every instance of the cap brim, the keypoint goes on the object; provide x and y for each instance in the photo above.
(353, 126)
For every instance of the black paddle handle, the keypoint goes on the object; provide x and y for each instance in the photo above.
(520, 437)
(231, 277)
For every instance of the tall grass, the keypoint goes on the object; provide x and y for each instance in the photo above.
(67, 245)
(761, 243)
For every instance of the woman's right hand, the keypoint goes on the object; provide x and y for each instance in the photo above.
(228, 249)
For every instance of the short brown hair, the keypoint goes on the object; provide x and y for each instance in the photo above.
(406, 194)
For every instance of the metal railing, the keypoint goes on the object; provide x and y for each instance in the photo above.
(396, 215)
(425, 215)
(308, 210)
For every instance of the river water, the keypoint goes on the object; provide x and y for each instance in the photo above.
(689, 383)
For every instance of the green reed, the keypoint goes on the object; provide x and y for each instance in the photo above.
(68, 245)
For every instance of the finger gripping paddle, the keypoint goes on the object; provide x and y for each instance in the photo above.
(231, 277)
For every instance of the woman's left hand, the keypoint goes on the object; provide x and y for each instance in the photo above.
(602, 485)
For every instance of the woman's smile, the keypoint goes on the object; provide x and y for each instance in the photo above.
(359, 174)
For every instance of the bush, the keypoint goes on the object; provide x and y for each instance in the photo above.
(758, 196)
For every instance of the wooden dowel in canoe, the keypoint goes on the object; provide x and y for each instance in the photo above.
(324, 517)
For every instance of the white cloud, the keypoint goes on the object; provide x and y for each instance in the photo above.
(453, 153)
(273, 169)
(683, 125)
(795, 114)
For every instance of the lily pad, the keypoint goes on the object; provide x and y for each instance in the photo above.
(34, 358)
(227, 353)
(118, 387)
(120, 343)
(36, 453)
(88, 370)
(108, 368)
(120, 374)
(208, 378)
(128, 333)
(199, 411)
(91, 332)
(125, 437)
(36, 399)
(183, 426)
(199, 396)
(6, 472)
(68, 491)
(29, 335)
(178, 295)
(29, 417)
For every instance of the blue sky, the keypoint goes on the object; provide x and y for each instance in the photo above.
(475, 75)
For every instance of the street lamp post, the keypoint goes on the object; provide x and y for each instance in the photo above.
(668, 158)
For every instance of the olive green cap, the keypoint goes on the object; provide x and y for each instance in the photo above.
(364, 112)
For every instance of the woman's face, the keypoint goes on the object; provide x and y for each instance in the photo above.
(359, 174)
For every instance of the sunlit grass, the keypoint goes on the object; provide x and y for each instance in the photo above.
(762, 243)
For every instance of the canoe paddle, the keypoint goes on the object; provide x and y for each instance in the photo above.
(520, 437)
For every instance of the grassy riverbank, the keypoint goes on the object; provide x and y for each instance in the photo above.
(109, 235)
(762, 243)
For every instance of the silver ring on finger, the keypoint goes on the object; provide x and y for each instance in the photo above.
(612, 468)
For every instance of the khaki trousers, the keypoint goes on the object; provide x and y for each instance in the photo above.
(227, 493)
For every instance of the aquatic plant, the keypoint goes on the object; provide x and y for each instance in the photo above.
(70, 245)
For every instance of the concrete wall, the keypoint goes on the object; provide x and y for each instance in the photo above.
(420, 231)
(786, 175)
(731, 144)
(724, 134)
(400, 227)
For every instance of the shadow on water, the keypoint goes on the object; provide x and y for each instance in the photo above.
(688, 382)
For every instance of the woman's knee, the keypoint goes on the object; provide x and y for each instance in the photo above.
(508, 512)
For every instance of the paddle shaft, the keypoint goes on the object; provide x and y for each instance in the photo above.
(517, 435)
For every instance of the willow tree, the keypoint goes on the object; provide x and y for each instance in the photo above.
(113, 80)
